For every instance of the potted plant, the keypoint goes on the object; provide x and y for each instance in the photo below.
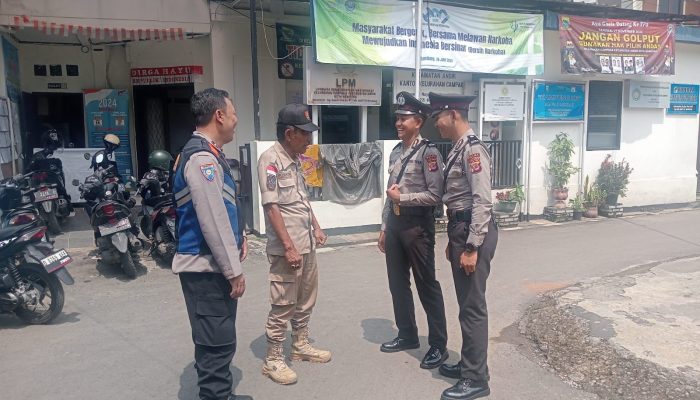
(560, 167)
(508, 200)
(577, 205)
(593, 197)
(613, 178)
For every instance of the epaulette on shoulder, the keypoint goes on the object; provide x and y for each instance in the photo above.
(397, 146)
(473, 140)
(428, 143)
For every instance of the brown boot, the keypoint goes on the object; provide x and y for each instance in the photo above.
(303, 351)
(276, 368)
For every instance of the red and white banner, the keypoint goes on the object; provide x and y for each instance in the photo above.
(166, 75)
(113, 34)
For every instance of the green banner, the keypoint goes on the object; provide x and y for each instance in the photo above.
(383, 32)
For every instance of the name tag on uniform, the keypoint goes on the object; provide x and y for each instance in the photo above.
(397, 209)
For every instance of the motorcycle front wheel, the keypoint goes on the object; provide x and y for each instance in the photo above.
(51, 221)
(127, 263)
(48, 295)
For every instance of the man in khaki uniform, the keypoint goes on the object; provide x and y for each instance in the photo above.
(408, 233)
(472, 242)
(292, 234)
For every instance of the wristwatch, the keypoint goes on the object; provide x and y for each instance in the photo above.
(471, 248)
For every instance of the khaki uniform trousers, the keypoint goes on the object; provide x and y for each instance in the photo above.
(293, 295)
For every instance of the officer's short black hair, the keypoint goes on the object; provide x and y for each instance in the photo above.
(205, 103)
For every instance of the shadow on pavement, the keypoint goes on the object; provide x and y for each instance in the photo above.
(379, 330)
(188, 381)
(109, 271)
(11, 321)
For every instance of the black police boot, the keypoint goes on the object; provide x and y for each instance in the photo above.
(451, 371)
(399, 344)
(466, 389)
(434, 358)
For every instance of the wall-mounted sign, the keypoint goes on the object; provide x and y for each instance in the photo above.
(384, 33)
(616, 46)
(57, 85)
(167, 75)
(648, 94)
(684, 99)
(107, 111)
(291, 40)
(431, 81)
(341, 85)
(504, 102)
(558, 101)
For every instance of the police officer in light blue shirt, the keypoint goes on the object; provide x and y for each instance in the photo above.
(210, 248)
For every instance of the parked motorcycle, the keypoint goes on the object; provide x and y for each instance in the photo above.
(31, 272)
(110, 218)
(16, 202)
(158, 210)
(53, 201)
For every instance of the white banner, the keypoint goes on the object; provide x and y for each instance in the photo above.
(431, 81)
(504, 102)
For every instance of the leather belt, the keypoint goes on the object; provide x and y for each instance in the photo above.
(460, 215)
(404, 211)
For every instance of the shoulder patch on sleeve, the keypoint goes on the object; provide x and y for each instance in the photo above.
(474, 161)
(431, 161)
(209, 171)
(271, 173)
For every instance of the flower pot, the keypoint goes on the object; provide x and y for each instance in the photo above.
(506, 206)
(578, 215)
(591, 212)
(560, 196)
(611, 199)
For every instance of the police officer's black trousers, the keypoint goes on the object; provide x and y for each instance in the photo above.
(410, 245)
(212, 316)
(471, 297)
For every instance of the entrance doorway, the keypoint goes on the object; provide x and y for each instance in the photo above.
(162, 119)
(61, 111)
(340, 124)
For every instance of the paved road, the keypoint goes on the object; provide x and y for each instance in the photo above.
(121, 339)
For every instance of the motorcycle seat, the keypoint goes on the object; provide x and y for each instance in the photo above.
(10, 232)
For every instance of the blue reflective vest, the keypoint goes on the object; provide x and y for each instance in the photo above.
(190, 239)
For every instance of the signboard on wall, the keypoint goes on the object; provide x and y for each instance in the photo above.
(291, 40)
(431, 81)
(383, 33)
(648, 94)
(559, 101)
(167, 75)
(684, 99)
(504, 102)
(616, 46)
(341, 85)
(107, 111)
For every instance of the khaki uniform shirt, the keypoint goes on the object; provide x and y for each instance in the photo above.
(468, 184)
(208, 201)
(422, 180)
(282, 183)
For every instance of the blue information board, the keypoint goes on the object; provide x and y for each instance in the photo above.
(684, 99)
(107, 111)
(556, 101)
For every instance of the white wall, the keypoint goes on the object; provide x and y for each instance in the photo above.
(329, 214)
(661, 148)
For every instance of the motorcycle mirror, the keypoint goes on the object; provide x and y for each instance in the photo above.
(99, 158)
(87, 156)
(75, 182)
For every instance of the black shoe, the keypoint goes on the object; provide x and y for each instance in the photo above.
(451, 371)
(466, 389)
(399, 344)
(434, 358)
(239, 397)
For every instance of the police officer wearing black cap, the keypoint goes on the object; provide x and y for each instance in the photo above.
(472, 242)
(408, 232)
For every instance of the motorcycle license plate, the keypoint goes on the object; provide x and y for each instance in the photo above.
(45, 194)
(56, 261)
(121, 225)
